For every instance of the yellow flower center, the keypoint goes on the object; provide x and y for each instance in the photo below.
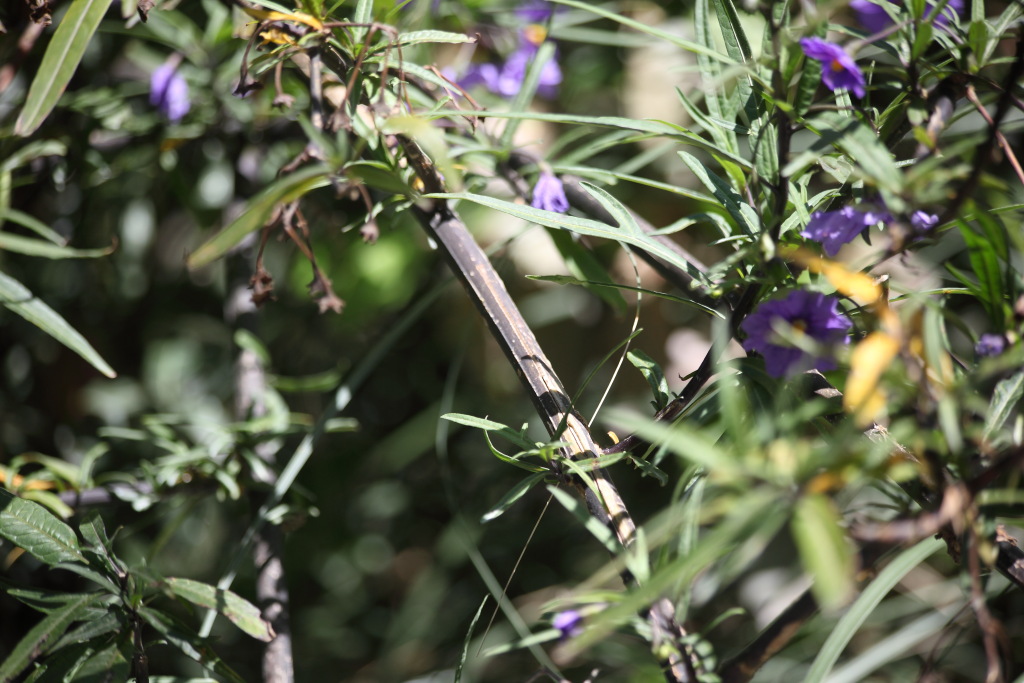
(836, 66)
(535, 33)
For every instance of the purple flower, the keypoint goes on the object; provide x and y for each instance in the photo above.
(534, 11)
(507, 80)
(871, 16)
(835, 228)
(569, 622)
(549, 195)
(990, 345)
(168, 91)
(922, 221)
(810, 313)
(838, 70)
(874, 18)
(513, 73)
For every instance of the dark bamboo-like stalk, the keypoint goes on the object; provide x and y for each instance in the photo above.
(488, 292)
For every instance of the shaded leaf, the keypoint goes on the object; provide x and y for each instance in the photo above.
(654, 376)
(17, 298)
(238, 610)
(46, 249)
(52, 627)
(192, 646)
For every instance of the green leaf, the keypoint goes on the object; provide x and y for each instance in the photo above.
(568, 280)
(579, 510)
(467, 640)
(33, 150)
(510, 498)
(33, 224)
(60, 62)
(282, 191)
(654, 376)
(28, 525)
(432, 36)
(17, 298)
(47, 631)
(582, 263)
(189, 644)
(688, 45)
(985, 264)
(629, 233)
(826, 554)
(238, 610)
(846, 628)
(745, 217)
(1004, 398)
(490, 426)
(46, 249)
(652, 126)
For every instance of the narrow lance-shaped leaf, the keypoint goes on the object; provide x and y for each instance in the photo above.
(16, 297)
(238, 610)
(52, 627)
(826, 554)
(583, 226)
(510, 498)
(28, 525)
(1004, 398)
(865, 604)
(60, 62)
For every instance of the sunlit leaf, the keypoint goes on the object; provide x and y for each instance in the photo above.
(60, 62)
(864, 396)
(854, 284)
(28, 525)
(238, 610)
(510, 498)
(865, 604)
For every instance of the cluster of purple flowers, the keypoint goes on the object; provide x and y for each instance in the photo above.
(507, 79)
(874, 17)
(835, 228)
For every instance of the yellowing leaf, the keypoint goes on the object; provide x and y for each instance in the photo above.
(850, 283)
(863, 396)
(298, 17)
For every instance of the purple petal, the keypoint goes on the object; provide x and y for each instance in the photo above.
(815, 314)
(990, 345)
(838, 70)
(872, 16)
(168, 92)
(549, 195)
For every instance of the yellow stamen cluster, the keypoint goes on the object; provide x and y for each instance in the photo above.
(535, 33)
